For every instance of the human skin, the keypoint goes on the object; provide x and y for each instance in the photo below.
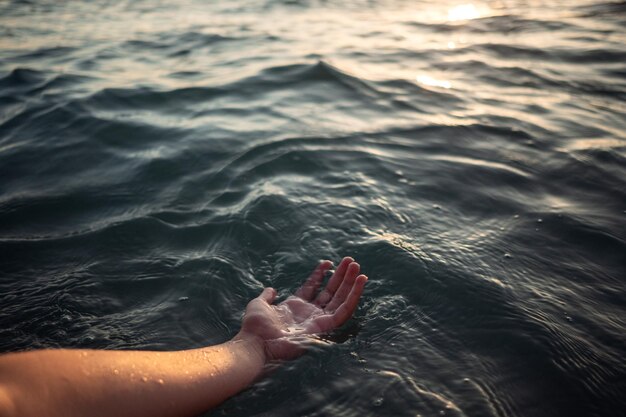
(73, 382)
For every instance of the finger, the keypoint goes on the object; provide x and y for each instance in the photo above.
(309, 288)
(345, 310)
(268, 295)
(340, 295)
(334, 282)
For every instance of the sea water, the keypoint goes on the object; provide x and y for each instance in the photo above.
(163, 161)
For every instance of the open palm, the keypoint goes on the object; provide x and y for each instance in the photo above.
(309, 311)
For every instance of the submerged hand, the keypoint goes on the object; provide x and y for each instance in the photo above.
(283, 327)
(70, 382)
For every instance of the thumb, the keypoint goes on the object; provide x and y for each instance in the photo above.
(268, 295)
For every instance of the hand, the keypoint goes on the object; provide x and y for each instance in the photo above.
(283, 328)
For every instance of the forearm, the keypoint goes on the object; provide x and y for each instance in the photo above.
(127, 383)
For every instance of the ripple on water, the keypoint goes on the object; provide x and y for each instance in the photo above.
(161, 164)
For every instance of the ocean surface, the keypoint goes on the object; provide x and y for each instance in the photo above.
(162, 161)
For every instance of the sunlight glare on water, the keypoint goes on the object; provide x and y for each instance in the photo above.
(464, 12)
(433, 82)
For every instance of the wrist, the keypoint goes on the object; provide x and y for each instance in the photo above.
(254, 346)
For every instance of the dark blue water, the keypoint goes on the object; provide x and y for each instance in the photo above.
(161, 162)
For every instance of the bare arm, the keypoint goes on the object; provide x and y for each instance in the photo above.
(69, 383)
(127, 383)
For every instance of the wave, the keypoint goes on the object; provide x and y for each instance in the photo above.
(515, 52)
(501, 24)
(611, 10)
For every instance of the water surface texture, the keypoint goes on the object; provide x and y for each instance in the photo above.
(162, 161)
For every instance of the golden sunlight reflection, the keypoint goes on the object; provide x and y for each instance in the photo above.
(433, 82)
(401, 241)
(464, 12)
